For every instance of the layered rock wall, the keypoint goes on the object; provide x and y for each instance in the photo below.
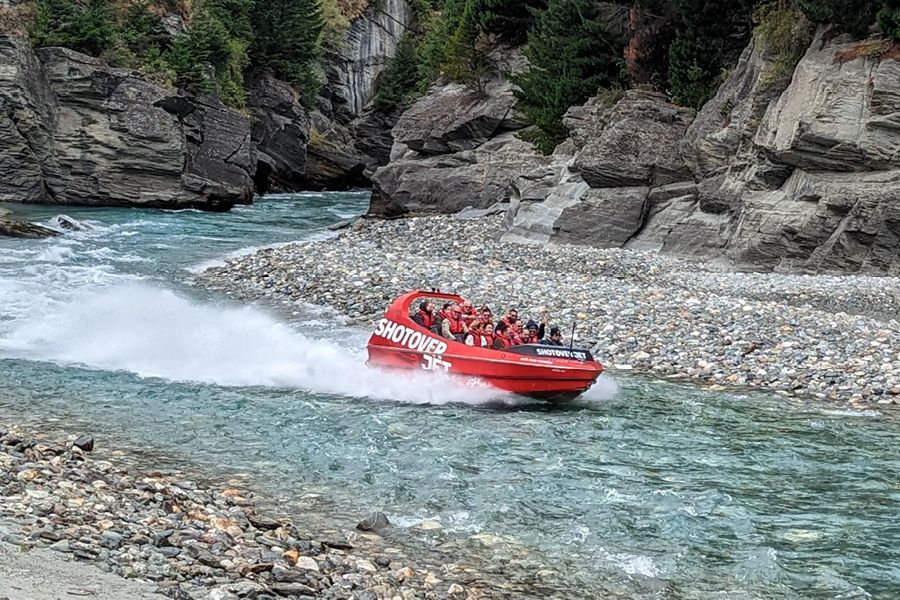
(76, 131)
(799, 174)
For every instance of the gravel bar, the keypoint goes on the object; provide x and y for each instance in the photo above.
(62, 503)
(827, 337)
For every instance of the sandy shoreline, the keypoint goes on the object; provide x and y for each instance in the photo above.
(826, 337)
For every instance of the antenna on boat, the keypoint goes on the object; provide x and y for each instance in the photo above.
(572, 337)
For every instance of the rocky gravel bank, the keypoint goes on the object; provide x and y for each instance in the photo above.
(828, 337)
(193, 541)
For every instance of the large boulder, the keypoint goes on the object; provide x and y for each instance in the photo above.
(77, 131)
(841, 111)
(448, 183)
(633, 142)
(280, 132)
(454, 117)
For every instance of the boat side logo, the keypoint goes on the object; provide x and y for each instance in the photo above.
(561, 353)
(412, 339)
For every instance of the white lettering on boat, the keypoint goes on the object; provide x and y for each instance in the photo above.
(412, 339)
(561, 353)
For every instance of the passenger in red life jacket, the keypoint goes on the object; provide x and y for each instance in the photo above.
(511, 316)
(469, 314)
(487, 317)
(501, 336)
(515, 333)
(487, 335)
(533, 333)
(474, 337)
(555, 338)
(452, 325)
(425, 316)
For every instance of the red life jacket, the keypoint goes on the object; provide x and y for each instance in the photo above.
(427, 319)
(456, 324)
(504, 342)
(529, 339)
(487, 340)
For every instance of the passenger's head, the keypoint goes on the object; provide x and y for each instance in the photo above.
(514, 313)
(446, 306)
(486, 312)
(427, 306)
(501, 327)
(555, 334)
(532, 326)
(467, 304)
(454, 309)
(476, 326)
(489, 328)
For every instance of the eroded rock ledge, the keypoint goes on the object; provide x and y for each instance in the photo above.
(76, 131)
(788, 175)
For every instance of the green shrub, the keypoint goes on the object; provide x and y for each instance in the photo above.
(852, 16)
(89, 29)
(889, 19)
(783, 31)
(571, 57)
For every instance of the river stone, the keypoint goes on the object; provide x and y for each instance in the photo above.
(84, 443)
(374, 522)
(20, 229)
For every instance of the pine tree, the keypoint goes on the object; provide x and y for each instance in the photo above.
(509, 19)
(400, 80)
(286, 39)
(571, 56)
(461, 60)
(852, 16)
(707, 42)
(889, 19)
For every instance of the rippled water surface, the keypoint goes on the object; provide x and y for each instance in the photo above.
(642, 488)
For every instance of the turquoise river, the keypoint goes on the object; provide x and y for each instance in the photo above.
(642, 488)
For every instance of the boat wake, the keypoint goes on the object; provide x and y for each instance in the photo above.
(155, 332)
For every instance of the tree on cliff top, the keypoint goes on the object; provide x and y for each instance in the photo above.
(509, 19)
(571, 56)
(286, 39)
(852, 16)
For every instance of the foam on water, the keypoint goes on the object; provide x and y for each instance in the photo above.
(154, 332)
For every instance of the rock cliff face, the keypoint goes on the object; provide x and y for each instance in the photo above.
(280, 132)
(370, 43)
(349, 139)
(455, 149)
(798, 175)
(76, 131)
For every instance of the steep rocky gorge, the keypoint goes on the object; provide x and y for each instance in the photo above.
(77, 131)
(774, 174)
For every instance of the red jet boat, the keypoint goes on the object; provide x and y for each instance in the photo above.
(553, 373)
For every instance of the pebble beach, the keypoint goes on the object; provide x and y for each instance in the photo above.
(828, 337)
(79, 521)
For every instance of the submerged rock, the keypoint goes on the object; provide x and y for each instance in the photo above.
(374, 522)
(20, 229)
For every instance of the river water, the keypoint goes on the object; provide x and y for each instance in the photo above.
(641, 488)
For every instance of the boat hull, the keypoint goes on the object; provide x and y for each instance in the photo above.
(545, 372)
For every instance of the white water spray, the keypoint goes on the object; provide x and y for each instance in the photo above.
(155, 332)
